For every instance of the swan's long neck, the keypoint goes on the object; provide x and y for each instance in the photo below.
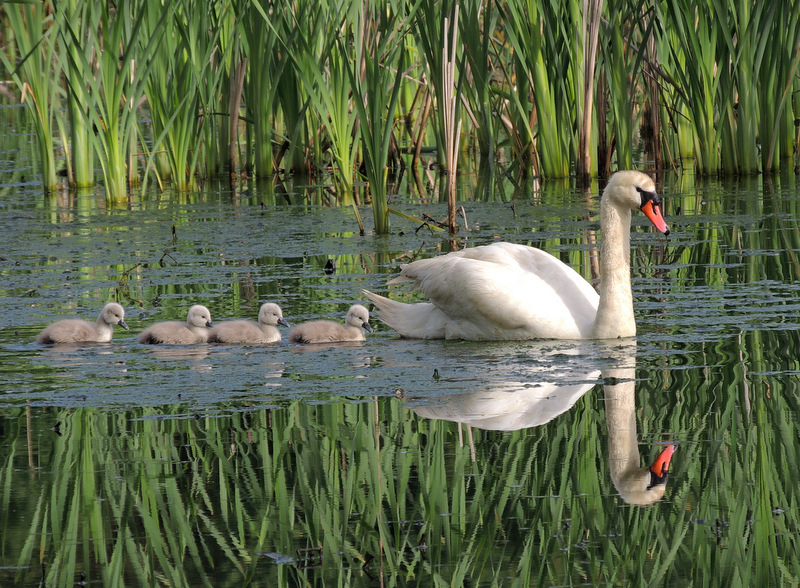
(620, 400)
(630, 479)
(615, 311)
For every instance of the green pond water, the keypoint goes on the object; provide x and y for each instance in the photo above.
(394, 462)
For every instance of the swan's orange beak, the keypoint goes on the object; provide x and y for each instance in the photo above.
(660, 467)
(652, 209)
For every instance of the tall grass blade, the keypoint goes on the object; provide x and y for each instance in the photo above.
(376, 75)
(266, 58)
(36, 77)
(540, 36)
(694, 59)
(114, 91)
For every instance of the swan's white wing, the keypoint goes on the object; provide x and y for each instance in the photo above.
(511, 406)
(506, 291)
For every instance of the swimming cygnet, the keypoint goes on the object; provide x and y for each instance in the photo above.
(80, 331)
(264, 331)
(329, 331)
(194, 330)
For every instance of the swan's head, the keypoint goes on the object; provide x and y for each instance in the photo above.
(113, 314)
(645, 486)
(634, 189)
(199, 316)
(358, 316)
(271, 314)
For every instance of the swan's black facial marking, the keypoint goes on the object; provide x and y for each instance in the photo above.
(656, 480)
(647, 196)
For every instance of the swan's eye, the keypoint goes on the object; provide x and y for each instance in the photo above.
(656, 480)
(648, 196)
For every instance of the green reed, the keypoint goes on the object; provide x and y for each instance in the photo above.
(113, 93)
(693, 58)
(266, 61)
(36, 77)
(539, 35)
(429, 33)
(779, 63)
(622, 77)
(323, 67)
(379, 56)
(532, 95)
(477, 24)
(80, 158)
(185, 60)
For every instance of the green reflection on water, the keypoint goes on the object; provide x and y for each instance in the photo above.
(350, 492)
(332, 485)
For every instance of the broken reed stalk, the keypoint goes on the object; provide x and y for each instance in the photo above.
(237, 87)
(452, 122)
(592, 10)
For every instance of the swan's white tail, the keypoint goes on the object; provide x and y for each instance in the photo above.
(414, 321)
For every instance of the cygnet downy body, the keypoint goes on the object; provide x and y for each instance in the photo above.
(244, 331)
(81, 331)
(194, 330)
(355, 323)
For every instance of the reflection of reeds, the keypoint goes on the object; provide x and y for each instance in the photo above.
(369, 486)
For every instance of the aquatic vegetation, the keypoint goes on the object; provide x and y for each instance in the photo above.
(538, 87)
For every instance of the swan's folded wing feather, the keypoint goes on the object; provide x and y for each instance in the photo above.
(504, 288)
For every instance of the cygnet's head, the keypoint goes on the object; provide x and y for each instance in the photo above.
(199, 316)
(271, 314)
(114, 314)
(358, 316)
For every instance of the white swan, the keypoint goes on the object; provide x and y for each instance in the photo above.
(356, 321)
(547, 392)
(264, 331)
(194, 330)
(80, 331)
(635, 484)
(505, 291)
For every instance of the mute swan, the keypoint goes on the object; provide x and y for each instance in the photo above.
(80, 331)
(635, 484)
(194, 330)
(264, 331)
(545, 393)
(330, 332)
(505, 291)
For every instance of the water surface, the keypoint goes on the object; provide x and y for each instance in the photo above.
(394, 462)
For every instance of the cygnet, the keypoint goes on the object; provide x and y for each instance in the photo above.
(242, 331)
(194, 330)
(80, 331)
(355, 323)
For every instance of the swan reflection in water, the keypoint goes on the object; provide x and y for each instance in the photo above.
(509, 406)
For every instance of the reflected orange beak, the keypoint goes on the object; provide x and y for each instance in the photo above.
(653, 212)
(660, 466)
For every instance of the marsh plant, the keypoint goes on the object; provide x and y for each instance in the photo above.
(546, 88)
